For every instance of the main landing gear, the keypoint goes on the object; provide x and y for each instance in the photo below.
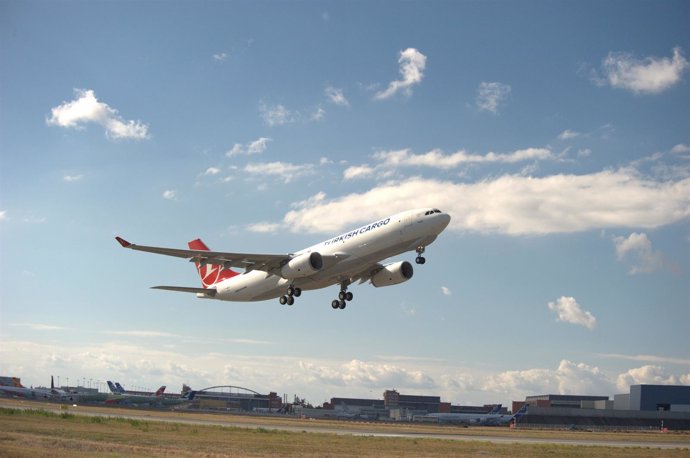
(291, 293)
(420, 259)
(343, 296)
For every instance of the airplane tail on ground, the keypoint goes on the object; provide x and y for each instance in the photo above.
(119, 388)
(210, 273)
(112, 387)
(496, 410)
(520, 413)
(160, 391)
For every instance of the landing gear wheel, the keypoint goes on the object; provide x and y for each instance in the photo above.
(291, 291)
(335, 304)
(342, 295)
(298, 292)
(420, 260)
(341, 304)
(290, 300)
(283, 300)
(349, 296)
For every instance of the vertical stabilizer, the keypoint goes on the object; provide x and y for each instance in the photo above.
(210, 273)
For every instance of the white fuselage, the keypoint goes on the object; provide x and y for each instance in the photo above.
(345, 256)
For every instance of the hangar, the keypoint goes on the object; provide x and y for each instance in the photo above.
(646, 406)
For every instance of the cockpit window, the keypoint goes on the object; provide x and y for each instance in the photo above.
(431, 212)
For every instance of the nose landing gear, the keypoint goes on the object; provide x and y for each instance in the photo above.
(420, 259)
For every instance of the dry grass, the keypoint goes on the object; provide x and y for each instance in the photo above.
(42, 433)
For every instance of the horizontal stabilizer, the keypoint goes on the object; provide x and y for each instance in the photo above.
(184, 289)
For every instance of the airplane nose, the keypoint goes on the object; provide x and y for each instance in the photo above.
(444, 220)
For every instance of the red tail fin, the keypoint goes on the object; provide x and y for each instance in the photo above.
(160, 391)
(210, 273)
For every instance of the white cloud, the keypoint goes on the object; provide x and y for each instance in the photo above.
(446, 291)
(169, 194)
(639, 247)
(311, 201)
(650, 75)
(491, 95)
(367, 375)
(220, 57)
(264, 228)
(437, 159)
(412, 64)
(514, 205)
(72, 178)
(568, 134)
(336, 96)
(285, 170)
(680, 149)
(85, 108)
(318, 114)
(569, 310)
(358, 171)
(257, 146)
(648, 358)
(568, 378)
(3, 215)
(649, 374)
(276, 115)
(40, 326)
(279, 115)
(212, 171)
(141, 333)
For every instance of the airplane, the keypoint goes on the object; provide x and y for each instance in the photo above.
(492, 418)
(122, 397)
(37, 393)
(349, 257)
(115, 389)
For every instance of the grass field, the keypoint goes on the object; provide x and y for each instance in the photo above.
(25, 433)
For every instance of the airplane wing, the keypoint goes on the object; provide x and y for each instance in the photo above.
(366, 274)
(207, 291)
(247, 261)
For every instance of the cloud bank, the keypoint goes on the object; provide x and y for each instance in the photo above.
(512, 204)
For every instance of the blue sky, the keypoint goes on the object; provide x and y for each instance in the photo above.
(556, 134)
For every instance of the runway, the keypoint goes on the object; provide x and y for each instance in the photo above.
(406, 430)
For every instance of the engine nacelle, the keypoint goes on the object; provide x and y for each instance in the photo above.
(393, 274)
(302, 266)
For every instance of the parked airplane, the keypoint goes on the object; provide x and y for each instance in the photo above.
(121, 396)
(53, 393)
(493, 418)
(353, 256)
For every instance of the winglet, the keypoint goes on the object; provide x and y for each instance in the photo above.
(123, 242)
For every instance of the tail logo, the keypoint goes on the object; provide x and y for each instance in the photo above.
(209, 273)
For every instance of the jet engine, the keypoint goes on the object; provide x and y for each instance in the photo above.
(392, 274)
(302, 266)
